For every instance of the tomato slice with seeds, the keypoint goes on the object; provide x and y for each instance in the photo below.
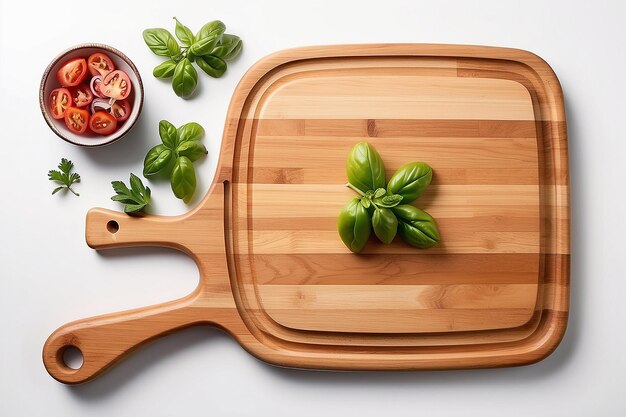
(100, 64)
(60, 100)
(72, 72)
(81, 95)
(121, 110)
(77, 120)
(102, 123)
(116, 85)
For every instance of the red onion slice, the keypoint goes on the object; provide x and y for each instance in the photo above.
(100, 104)
(92, 85)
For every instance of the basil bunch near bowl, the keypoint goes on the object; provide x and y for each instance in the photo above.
(175, 156)
(210, 48)
(384, 206)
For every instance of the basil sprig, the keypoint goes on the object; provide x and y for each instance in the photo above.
(384, 206)
(175, 156)
(210, 49)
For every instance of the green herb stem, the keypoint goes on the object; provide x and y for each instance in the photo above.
(353, 188)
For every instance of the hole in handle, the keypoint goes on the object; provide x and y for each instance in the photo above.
(113, 226)
(72, 357)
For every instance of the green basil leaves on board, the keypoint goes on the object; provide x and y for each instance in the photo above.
(410, 180)
(354, 225)
(365, 168)
(385, 224)
(175, 156)
(416, 227)
(384, 206)
(210, 48)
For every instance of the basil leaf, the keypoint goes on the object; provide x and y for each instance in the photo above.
(410, 181)
(228, 48)
(161, 42)
(233, 54)
(354, 225)
(156, 159)
(183, 33)
(207, 38)
(183, 178)
(365, 168)
(185, 78)
(388, 201)
(416, 227)
(385, 224)
(211, 29)
(190, 131)
(192, 150)
(379, 192)
(169, 134)
(212, 65)
(366, 202)
(165, 69)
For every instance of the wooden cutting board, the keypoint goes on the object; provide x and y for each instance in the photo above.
(274, 272)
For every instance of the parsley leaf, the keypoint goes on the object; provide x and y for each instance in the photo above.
(64, 176)
(134, 199)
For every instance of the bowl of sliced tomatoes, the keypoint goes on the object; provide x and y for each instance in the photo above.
(91, 95)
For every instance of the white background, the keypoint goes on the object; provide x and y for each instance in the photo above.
(49, 276)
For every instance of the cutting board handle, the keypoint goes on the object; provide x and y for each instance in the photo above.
(104, 340)
(107, 229)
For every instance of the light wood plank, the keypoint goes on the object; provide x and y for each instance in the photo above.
(394, 96)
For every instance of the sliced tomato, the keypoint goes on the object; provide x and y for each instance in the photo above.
(77, 120)
(100, 64)
(116, 85)
(60, 100)
(72, 72)
(121, 110)
(81, 95)
(102, 123)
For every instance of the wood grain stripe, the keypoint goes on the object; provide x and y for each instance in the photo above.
(398, 297)
(399, 128)
(293, 200)
(322, 242)
(447, 176)
(440, 152)
(330, 96)
(415, 268)
(446, 225)
(401, 321)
